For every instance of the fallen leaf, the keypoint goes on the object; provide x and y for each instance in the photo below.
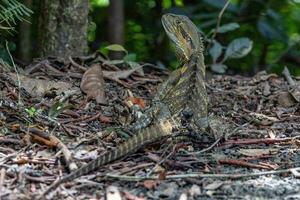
(93, 85)
(267, 87)
(85, 155)
(129, 196)
(162, 175)
(117, 75)
(214, 185)
(285, 99)
(257, 152)
(137, 101)
(40, 87)
(150, 184)
(43, 141)
(183, 196)
(194, 190)
(112, 193)
(295, 92)
(104, 119)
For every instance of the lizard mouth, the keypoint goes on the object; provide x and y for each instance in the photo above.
(169, 24)
(174, 28)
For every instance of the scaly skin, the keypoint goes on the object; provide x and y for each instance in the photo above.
(184, 90)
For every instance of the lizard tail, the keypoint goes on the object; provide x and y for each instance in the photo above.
(144, 136)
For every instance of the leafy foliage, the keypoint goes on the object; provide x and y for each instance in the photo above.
(12, 11)
(271, 25)
(253, 35)
(237, 48)
(271, 28)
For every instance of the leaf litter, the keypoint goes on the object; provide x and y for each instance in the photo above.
(260, 159)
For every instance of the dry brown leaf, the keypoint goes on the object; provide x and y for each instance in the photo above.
(150, 184)
(104, 119)
(129, 196)
(43, 141)
(137, 101)
(162, 175)
(285, 99)
(295, 92)
(93, 85)
(123, 74)
(39, 87)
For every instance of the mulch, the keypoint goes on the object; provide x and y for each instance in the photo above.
(48, 128)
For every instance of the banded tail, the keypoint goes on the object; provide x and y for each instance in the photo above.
(143, 137)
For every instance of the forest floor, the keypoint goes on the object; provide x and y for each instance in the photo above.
(48, 127)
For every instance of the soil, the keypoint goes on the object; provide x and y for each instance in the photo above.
(257, 158)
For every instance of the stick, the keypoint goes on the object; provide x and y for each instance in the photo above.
(198, 175)
(288, 77)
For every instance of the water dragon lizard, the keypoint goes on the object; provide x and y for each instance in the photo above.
(183, 90)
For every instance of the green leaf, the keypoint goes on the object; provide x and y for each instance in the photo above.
(219, 4)
(116, 47)
(271, 30)
(239, 48)
(57, 108)
(228, 27)
(218, 68)
(130, 57)
(215, 51)
(31, 111)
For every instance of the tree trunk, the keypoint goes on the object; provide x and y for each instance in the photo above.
(25, 43)
(116, 25)
(63, 28)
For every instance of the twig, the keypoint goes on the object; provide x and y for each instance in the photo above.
(259, 141)
(288, 77)
(219, 19)
(199, 175)
(162, 160)
(15, 68)
(78, 66)
(243, 164)
(206, 149)
(66, 152)
(134, 168)
(2, 179)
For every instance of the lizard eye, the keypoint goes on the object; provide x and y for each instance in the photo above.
(178, 22)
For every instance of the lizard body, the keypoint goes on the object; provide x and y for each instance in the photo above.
(187, 88)
(183, 90)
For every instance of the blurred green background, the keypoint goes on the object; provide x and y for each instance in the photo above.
(272, 25)
(269, 27)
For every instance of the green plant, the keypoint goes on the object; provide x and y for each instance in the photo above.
(12, 11)
(31, 111)
(129, 59)
(237, 48)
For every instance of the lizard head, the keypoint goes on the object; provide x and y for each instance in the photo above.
(183, 32)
